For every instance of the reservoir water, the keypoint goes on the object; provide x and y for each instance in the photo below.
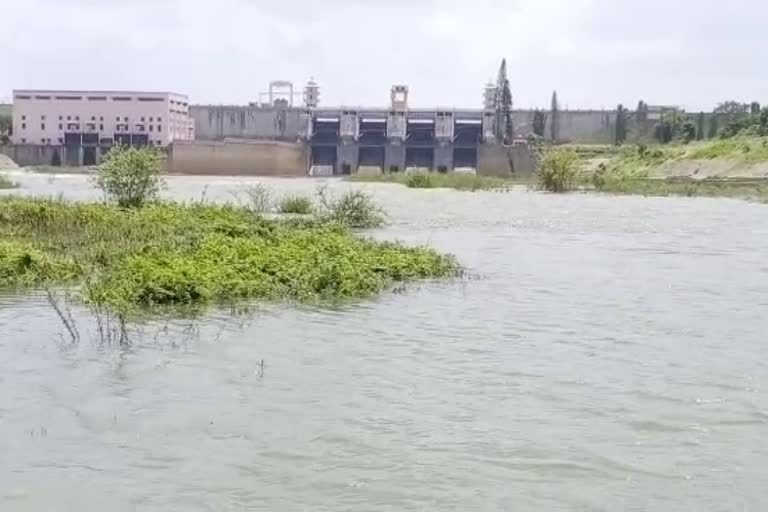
(603, 353)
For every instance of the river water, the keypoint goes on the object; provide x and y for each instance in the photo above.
(605, 353)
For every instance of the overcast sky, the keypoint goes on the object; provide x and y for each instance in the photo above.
(596, 53)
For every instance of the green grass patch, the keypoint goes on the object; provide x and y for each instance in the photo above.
(752, 189)
(458, 181)
(295, 204)
(170, 254)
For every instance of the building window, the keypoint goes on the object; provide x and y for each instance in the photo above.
(61, 141)
(159, 128)
(151, 119)
(69, 118)
(77, 118)
(60, 118)
(22, 97)
(150, 99)
(93, 118)
(142, 119)
(61, 126)
(42, 126)
(42, 118)
(23, 126)
(42, 97)
(125, 119)
(23, 118)
(150, 128)
(101, 127)
(101, 118)
(117, 119)
(159, 119)
(23, 140)
(69, 97)
(97, 98)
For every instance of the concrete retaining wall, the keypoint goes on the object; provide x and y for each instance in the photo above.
(497, 160)
(34, 154)
(255, 158)
(215, 122)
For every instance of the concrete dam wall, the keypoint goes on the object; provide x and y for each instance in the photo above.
(254, 158)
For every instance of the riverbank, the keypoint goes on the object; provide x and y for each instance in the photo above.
(193, 254)
(454, 180)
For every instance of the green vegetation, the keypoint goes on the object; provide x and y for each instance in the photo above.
(455, 180)
(130, 176)
(295, 204)
(258, 198)
(125, 260)
(505, 130)
(6, 183)
(419, 180)
(754, 189)
(635, 170)
(353, 209)
(6, 128)
(559, 170)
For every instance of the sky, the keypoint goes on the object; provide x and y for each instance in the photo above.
(595, 53)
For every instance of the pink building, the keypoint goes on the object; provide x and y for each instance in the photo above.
(100, 118)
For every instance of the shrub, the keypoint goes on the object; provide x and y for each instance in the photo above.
(259, 198)
(559, 170)
(354, 209)
(130, 176)
(6, 183)
(295, 204)
(419, 180)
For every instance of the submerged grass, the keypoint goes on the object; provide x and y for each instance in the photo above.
(458, 181)
(195, 254)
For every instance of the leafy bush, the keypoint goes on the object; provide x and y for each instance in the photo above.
(130, 176)
(295, 204)
(354, 209)
(419, 180)
(559, 170)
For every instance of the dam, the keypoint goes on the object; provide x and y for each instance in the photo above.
(346, 140)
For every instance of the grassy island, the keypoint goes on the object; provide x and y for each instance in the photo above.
(128, 259)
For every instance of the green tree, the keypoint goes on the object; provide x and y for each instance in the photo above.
(713, 127)
(539, 122)
(6, 129)
(620, 135)
(700, 126)
(554, 125)
(505, 130)
(130, 176)
(688, 132)
(731, 107)
(642, 112)
(754, 108)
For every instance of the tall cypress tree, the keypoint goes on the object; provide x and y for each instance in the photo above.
(554, 126)
(621, 125)
(700, 126)
(539, 122)
(713, 126)
(504, 127)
